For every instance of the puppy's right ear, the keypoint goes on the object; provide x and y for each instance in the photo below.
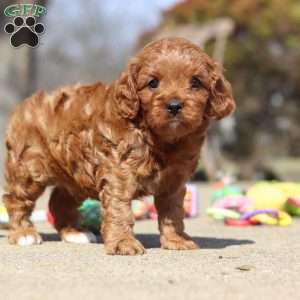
(126, 97)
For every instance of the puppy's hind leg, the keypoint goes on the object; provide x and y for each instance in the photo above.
(64, 208)
(26, 176)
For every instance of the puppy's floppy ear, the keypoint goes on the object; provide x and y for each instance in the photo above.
(221, 102)
(126, 97)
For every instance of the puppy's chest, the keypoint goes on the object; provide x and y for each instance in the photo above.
(175, 169)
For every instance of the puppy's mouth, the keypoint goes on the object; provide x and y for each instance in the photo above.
(175, 122)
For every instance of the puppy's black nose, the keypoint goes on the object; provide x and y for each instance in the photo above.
(174, 107)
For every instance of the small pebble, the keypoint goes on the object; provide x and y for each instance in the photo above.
(245, 268)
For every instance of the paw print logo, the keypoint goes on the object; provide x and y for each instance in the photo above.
(24, 31)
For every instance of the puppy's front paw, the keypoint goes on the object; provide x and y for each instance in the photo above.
(25, 237)
(178, 243)
(125, 246)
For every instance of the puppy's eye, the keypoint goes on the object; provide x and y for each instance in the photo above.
(153, 84)
(196, 83)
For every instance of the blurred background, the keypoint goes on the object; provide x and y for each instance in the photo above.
(257, 41)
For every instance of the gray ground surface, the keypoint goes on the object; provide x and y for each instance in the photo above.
(56, 270)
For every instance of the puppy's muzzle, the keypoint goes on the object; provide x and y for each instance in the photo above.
(174, 106)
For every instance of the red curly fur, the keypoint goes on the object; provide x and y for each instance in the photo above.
(116, 143)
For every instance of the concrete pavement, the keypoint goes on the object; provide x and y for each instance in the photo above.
(233, 263)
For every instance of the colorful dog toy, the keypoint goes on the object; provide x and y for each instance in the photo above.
(222, 213)
(266, 195)
(139, 209)
(272, 194)
(292, 206)
(237, 222)
(90, 216)
(237, 202)
(229, 190)
(283, 219)
(263, 203)
(248, 215)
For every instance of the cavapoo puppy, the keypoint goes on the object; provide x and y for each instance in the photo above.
(139, 136)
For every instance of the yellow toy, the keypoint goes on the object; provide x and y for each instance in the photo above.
(272, 195)
(284, 219)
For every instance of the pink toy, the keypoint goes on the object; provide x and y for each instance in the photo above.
(238, 202)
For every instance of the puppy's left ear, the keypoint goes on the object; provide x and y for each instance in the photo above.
(126, 97)
(221, 102)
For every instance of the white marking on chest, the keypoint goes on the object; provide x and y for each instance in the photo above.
(88, 109)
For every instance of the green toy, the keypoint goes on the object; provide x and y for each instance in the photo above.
(90, 217)
(222, 213)
(228, 190)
